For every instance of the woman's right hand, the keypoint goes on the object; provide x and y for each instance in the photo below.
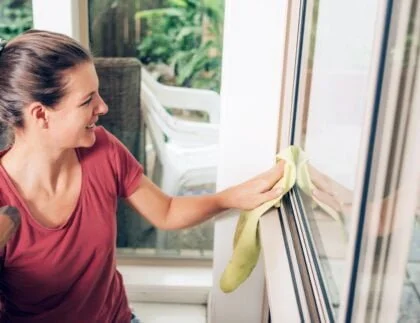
(9, 223)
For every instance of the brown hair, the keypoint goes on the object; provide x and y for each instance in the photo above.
(32, 66)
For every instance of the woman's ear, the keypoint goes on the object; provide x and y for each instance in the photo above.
(38, 114)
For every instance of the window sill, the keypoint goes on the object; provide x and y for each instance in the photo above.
(164, 313)
(164, 284)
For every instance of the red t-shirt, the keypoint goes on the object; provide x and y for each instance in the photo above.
(68, 274)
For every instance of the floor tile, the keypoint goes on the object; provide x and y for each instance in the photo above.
(414, 255)
(410, 306)
(413, 270)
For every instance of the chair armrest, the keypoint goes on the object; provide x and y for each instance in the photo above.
(184, 98)
(184, 133)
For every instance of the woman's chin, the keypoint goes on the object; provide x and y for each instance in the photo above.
(88, 140)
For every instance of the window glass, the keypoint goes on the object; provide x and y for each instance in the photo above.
(331, 104)
(391, 229)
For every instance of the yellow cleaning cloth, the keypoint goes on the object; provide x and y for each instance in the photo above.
(246, 242)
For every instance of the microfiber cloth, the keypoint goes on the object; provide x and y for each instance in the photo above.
(246, 242)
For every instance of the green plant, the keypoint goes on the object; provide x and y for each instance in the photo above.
(186, 35)
(15, 18)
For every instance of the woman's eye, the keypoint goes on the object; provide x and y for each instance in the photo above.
(87, 101)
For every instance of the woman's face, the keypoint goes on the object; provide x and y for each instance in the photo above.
(72, 122)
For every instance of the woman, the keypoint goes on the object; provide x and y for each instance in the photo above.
(64, 175)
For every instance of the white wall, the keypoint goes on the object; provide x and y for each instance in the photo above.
(250, 103)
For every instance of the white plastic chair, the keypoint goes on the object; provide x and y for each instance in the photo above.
(187, 150)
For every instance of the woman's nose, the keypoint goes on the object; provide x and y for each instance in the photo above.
(102, 107)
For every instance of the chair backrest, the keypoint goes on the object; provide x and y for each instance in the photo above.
(120, 87)
(3, 139)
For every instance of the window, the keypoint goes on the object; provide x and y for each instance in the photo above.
(179, 45)
(330, 104)
(352, 91)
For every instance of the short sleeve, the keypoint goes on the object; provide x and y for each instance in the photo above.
(127, 168)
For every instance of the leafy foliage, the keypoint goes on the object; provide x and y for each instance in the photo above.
(15, 18)
(186, 35)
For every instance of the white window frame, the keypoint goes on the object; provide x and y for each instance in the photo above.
(69, 17)
(252, 69)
